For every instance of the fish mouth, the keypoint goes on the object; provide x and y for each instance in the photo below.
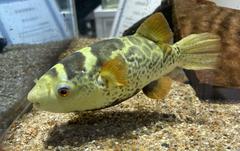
(31, 98)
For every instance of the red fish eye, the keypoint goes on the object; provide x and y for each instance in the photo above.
(63, 91)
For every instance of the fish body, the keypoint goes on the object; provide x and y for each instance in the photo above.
(111, 71)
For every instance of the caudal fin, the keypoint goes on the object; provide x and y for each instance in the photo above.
(199, 51)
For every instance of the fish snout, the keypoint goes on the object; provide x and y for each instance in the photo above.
(31, 97)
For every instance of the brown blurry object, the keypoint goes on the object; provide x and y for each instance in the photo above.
(198, 16)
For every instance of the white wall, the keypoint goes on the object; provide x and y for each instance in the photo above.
(235, 4)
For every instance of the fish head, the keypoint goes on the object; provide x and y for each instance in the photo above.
(56, 94)
(52, 91)
(78, 82)
(67, 88)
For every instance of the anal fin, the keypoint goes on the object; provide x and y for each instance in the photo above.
(158, 89)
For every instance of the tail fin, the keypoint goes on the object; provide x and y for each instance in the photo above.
(199, 51)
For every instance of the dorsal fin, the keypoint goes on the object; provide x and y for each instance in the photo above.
(156, 28)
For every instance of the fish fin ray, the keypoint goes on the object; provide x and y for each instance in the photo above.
(158, 89)
(156, 28)
(199, 51)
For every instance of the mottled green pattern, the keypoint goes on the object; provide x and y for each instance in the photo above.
(74, 64)
(146, 62)
(103, 49)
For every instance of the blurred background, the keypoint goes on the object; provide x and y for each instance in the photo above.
(32, 21)
(58, 27)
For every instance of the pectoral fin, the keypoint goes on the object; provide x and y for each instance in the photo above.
(158, 89)
(114, 71)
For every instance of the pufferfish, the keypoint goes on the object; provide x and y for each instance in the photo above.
(113, 70)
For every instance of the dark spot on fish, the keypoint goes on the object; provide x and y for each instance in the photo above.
(103, 49)
(173, 60)
(130, 59)
(106, 45)
(75, 83)
(150, 65)
(135, 74)
(74, 64)
(129, 71)
(116, 94)
(165, 58)
(78, 78)
(155, 62)
(134, 53)
(52, 72)
(140, 60)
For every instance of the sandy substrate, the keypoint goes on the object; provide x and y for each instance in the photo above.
(19, 66)
(179, 122)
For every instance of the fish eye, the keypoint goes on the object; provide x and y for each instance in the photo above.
(64, 91)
